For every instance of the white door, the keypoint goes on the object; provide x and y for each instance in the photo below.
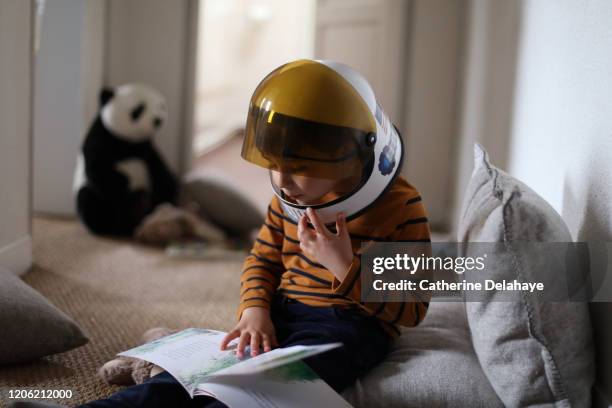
(370, 36)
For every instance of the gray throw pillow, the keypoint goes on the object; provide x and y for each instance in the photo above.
(31, 326)
(224, 205)
(534, 353)
(431, 365)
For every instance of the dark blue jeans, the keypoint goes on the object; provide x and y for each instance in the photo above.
(365, 344)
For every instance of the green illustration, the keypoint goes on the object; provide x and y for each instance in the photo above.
(193, 376)
(297, 371)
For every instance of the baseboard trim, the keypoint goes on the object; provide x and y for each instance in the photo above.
(600, 399)
(17, 256)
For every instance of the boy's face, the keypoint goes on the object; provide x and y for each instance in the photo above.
(301, 189)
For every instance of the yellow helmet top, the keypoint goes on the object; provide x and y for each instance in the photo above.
(306, 118)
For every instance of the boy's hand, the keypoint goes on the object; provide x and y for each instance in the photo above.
(334, 251)
(255, 327)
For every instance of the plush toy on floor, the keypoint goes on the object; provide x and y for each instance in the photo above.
(128, 370)
(122, 184)
(120, 176)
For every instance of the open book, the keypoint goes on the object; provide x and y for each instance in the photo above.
(276, 379)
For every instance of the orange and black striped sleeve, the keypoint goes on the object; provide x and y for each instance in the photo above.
(263, 267)
(410, 225)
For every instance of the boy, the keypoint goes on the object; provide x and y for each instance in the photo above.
(334, 160)
(332, 155)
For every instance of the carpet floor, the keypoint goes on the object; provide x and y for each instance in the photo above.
(115, 290)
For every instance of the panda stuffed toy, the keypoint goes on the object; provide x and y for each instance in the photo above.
(120, 176)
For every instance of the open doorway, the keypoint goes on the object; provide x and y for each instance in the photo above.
(238, 43)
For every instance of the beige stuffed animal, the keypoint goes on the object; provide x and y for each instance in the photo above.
(128, 370)
(168, 223)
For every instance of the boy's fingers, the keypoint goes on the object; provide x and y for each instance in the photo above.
(303, 232)
(305, 247)
(254, 344)
(229, 337)
(340, 224)
(316, 222)
(244, 339)
(267, 346)
(300, 228)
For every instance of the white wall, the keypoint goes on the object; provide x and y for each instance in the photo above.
(68, 77)
(147, 42)
(15, 111)
(562, 129)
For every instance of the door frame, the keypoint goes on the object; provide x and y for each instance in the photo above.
(189, 86)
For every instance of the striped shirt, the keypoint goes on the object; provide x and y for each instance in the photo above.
(277, 264)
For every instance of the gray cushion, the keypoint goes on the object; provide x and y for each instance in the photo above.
(533, 353)
(431, 365)
(224, 205)
(31, 326)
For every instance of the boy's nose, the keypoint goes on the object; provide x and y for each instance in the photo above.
(284, 180)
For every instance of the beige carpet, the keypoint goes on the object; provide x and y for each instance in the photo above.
(116, 290)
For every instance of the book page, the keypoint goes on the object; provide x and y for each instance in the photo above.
(275, 358)
(190, 355)
(293, 385)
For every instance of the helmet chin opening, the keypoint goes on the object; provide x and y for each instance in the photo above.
(373, 185)
(329, 198)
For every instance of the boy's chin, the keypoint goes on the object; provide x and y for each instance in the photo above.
(302, 200)
(305, 201)
(312, 201)
(297, 200)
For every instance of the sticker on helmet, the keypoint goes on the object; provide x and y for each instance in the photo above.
(386, 161)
